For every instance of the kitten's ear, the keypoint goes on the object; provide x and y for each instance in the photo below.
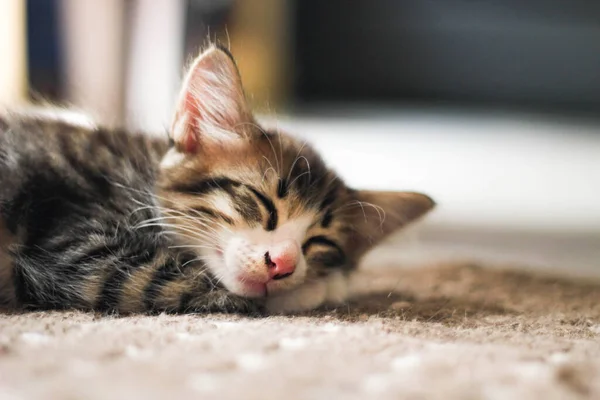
(212, 106)
(381, 213)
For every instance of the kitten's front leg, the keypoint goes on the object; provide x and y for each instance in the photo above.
(331, 290)
(221, 301)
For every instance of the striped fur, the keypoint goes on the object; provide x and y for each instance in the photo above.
(116, 221)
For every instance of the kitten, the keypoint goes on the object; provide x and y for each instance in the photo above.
(225, 216)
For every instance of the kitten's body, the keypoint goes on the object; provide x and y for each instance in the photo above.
(113, 221)
(72, 200)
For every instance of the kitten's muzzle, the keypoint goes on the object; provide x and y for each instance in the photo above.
(281, 259)
(278, 263)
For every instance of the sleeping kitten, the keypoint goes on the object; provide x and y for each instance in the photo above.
(223, 217)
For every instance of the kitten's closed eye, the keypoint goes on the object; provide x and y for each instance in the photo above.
(323, 252)
(326, 259)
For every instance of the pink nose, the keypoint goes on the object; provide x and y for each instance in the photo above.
(282, 258)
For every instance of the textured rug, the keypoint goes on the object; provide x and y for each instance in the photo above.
(443, 332)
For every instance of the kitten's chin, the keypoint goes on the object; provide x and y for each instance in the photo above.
(245, 287)
(255, 289)
(250, 289)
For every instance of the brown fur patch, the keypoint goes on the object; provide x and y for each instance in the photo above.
(171, 294)
(132, 297)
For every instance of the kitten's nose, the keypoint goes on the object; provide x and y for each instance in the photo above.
(282, 258)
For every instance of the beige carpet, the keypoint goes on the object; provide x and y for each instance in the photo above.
(446, 332)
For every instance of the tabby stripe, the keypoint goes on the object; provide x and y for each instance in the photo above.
(270, 206)
(106, 139)
(61, 247)
(166, 273)
(282, 188)
(248, 207)
(327, 218)
(202, 287)
(206, 186)
(113, 285)
(22, 293)
(329, 199)
(184, 302)
(328, 259)
(228, 185)
(99, 253)
(96, 179)
(213, 213)
(322, 240)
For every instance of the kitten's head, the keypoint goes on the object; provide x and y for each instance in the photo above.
(260, 207)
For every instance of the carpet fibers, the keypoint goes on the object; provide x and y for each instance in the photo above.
(455, 331)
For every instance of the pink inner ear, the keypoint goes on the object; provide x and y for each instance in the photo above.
(190, 140)
(185, 128)
(212, 103)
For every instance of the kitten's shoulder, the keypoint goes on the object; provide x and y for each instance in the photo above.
(58, 129)
(48, 114)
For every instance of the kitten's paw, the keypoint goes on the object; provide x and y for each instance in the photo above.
(222, 301)
(306, 297)
(337, 289)
(330, 290)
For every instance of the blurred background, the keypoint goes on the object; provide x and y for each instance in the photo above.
(491, 107)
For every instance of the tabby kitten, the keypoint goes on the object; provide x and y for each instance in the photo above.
(225, 216)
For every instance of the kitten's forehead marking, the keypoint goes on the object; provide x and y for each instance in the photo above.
(223, 203)
(294, 228)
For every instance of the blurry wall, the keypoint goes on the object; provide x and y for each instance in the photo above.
(153, 63)
(93, 42)
(259, 34)
(497, 52)
(13, 67)
(123, 59)
(44, 49)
